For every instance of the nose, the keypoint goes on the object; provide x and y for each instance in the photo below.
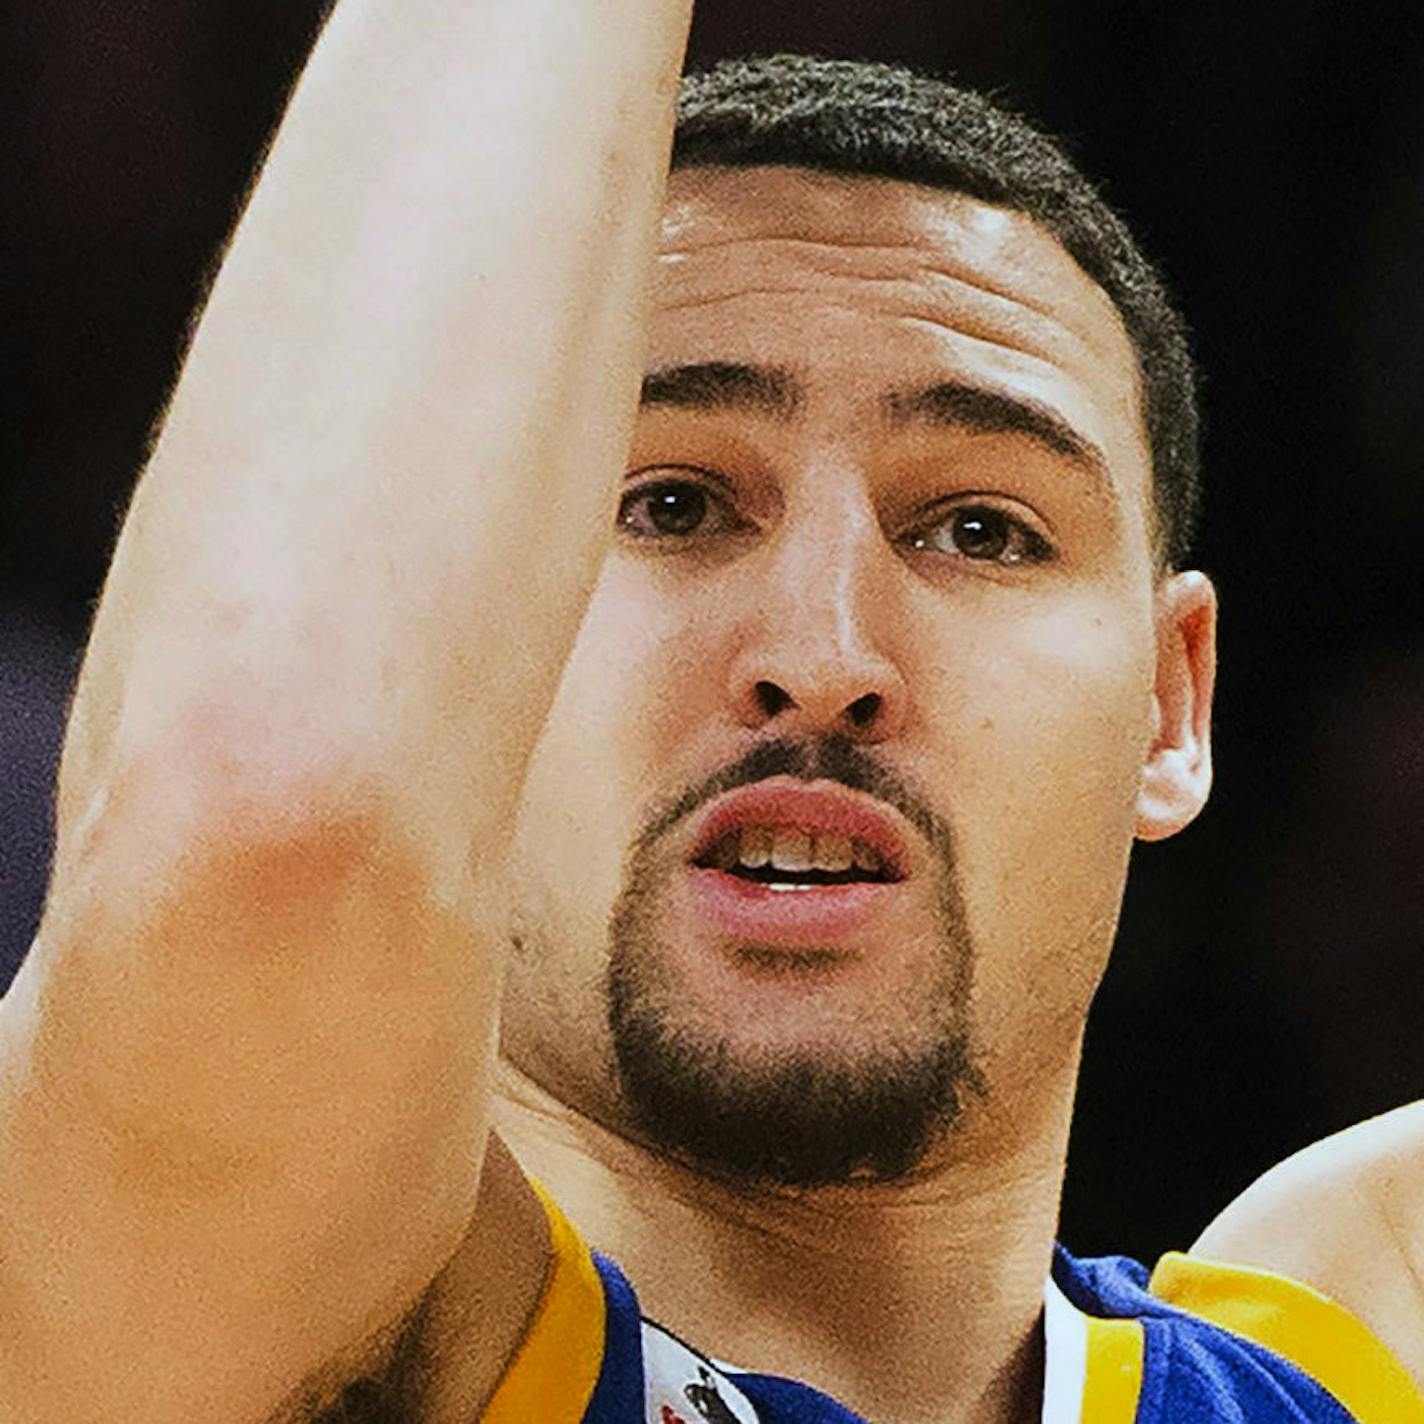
(815, 657)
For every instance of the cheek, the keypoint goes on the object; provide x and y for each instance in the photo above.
(645, 685)
(580, 809)
(1042, 756)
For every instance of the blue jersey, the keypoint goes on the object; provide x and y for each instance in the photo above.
(1201, 1340)
(1197, 1343)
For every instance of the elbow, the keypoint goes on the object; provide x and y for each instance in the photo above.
(259, 810)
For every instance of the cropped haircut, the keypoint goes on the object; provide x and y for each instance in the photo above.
(860, 119)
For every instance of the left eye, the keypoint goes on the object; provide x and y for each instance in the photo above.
(984, 534)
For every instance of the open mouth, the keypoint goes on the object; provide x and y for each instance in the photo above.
(792, 856)
(792, 866)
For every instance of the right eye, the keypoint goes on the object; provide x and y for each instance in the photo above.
(672, 509)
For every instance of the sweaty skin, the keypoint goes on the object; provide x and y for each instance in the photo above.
(1049, 709)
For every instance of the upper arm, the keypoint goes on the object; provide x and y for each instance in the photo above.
(1345, 1215)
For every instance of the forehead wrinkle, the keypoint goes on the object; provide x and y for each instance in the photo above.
(909, 296)
(961, 237)
(845, 260)
(692, 303)
(906, 263)
(993, 340)
(788, 239)
(975, 334)
(928, 257)
(911, 312)
(1041, 310)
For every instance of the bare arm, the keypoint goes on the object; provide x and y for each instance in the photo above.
(1345, 1215)
(244, 1072)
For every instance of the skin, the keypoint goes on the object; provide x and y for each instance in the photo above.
(287, 787)
(337, 615)
(246, 1069)
(1019, 697)
(1345, 1215)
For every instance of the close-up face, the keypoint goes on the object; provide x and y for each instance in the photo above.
(822, 849)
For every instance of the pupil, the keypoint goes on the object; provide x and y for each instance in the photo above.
(677, 511)
(981, 533)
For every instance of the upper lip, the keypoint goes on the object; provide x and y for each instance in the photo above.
(824, 808)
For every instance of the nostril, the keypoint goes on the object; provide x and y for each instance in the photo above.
(771, 698)
(863, 710)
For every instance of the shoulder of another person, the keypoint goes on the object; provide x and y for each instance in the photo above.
(1346, 1216)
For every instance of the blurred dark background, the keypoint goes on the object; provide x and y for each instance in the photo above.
(1269, 980)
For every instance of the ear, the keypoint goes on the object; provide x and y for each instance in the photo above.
(1176, 776)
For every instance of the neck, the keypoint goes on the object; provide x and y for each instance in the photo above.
(916, 1302)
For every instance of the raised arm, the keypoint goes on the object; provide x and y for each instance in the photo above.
(244, 1072)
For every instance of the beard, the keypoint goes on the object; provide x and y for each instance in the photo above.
(796, 1117)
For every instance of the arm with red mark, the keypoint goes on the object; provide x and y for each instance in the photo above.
(244, 1073)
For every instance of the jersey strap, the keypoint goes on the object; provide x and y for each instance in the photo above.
(1299, 1323)
(1092, 1367)
(553, 1373)
(1181, 1365)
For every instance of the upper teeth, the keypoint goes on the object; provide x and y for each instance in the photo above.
(783, 848)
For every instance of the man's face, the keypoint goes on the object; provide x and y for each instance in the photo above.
(823, 845)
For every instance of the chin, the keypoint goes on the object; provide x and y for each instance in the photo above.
(808, 1099)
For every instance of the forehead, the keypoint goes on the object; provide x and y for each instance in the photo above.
(861, 286)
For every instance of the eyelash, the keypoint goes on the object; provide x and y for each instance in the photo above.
(1027, 545)
(702, 487)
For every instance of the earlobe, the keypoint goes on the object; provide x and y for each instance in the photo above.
(1176, 774)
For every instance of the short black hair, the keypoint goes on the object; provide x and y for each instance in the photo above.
(862, 119)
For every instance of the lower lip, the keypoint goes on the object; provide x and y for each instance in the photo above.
(819, 917)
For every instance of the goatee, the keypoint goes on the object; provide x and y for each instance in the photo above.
(804, 1117)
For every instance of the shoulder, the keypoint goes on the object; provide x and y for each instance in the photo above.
(1346, 1216)
(1206, 1340)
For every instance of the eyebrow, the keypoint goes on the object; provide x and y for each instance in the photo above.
(777, 392)
(725, 385)
(956, 405)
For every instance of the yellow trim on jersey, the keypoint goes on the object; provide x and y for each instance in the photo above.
(1336, 1349)
(1112, 1377)
(552, 1375)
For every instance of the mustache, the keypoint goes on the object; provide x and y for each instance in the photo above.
(834, 757)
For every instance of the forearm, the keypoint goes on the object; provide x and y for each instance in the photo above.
(363, 543)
